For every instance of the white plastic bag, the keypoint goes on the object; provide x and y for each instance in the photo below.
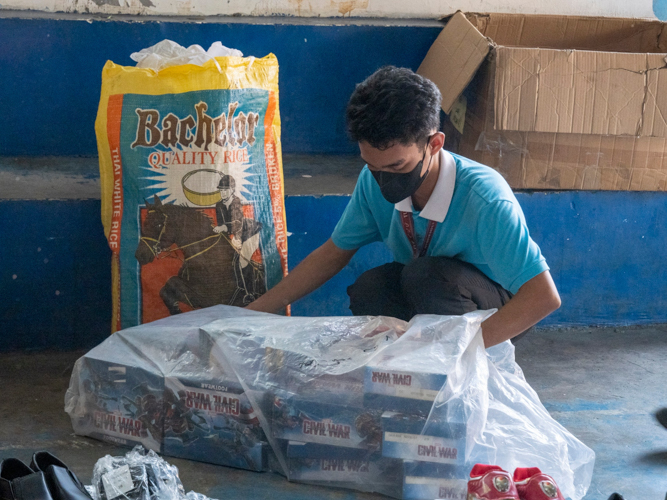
(168, 53)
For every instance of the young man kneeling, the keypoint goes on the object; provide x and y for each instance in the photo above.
(456, 231)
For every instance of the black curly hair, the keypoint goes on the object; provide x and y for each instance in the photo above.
(393, 105)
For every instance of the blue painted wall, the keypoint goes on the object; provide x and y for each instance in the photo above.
(51, 74)
(55, 279)
(604, 248)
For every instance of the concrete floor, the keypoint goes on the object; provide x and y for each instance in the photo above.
(602, 384)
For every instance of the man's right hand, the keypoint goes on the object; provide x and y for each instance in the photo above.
(315, 270)
(220, 229)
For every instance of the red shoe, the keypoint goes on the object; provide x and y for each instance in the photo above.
(490, 482)
(532, 484)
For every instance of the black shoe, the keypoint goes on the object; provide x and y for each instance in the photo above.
(20, 482)
(661, 416)
(62, 482)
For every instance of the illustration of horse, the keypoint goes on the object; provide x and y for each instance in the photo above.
(210, 273)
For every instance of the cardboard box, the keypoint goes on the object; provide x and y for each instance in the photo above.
(415, 424)
(344, 468)
(424, 448)
(427, 488)
(406, 437)
(382, 475)
(212, 421)
(427, 480)
(337, 389)
(335, 424)
(557, 102)
(121, 404)
(298, 449)
(395, 390)
(430, 469)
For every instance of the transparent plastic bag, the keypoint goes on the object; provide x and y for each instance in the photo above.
(191, 495)
(155, 385)
(305, 377)
(354, 402)
(139, 475)
(168, 53)
(368, 403)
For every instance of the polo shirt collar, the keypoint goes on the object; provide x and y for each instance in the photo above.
(437, 205)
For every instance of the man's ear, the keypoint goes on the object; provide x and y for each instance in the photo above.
(437, 142)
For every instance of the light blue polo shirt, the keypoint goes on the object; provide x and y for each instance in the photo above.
(480, 222)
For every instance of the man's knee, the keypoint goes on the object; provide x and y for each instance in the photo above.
(432, 286)
(420, 272)
(377, 292)
(376, 280)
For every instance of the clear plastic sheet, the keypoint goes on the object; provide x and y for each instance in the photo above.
(368, 403)
(440, 401)
(305, 376)
(155, 385)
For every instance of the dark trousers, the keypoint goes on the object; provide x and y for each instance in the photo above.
(428, 285)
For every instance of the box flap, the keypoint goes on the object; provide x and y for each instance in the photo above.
(454, 57)
(572, 32)
(580, 92)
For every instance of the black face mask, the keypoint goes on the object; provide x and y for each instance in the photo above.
(397, 187)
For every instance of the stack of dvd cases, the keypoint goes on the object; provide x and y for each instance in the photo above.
(334, 404)
(431, 445)
(156, 385)
(329, 437)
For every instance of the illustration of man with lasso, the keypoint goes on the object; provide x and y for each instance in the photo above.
(244, 232)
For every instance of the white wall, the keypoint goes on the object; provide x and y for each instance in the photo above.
(337, 8)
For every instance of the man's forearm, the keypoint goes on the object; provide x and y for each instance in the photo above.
(535, 300)
(314, 271)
